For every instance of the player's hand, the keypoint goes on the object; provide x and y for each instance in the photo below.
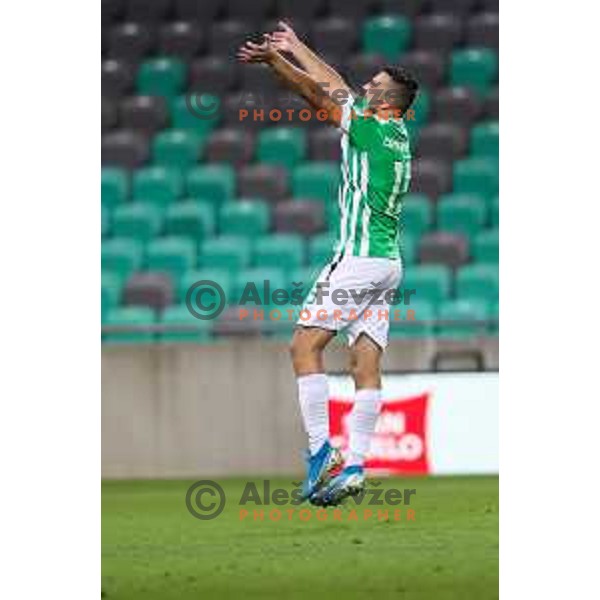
(285, 38)
(256, 53)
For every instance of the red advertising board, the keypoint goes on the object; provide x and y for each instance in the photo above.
(399, 444)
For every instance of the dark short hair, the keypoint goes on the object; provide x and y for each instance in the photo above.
(407, 83)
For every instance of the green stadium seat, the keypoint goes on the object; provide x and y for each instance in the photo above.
(105, 221)
(416, 216)
(430, 282)
(191, 117)
(114, 186)
(388, 35)
(494, 317)
(190, 218)
(248, 218)
(111, 287)
(257, 276)
(161, 77)
(416, 320)
(474, 67)
(282, 145)
(320, 250)
(476, 175)
(318, 180)
(462, 319)
(213, 183)
(461, 213)
(421, 108)
(221, 277)
(478, 282)
(122, 256)
(180, 316)
(409, 247)
(160, 185)
(485, 139)
(495, 212)
(285, 251)
(173, 255)
(137, 220)
(486, 247)
(132, 316)
(230, 253)
(176, 148)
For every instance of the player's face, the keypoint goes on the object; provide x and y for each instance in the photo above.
(381, 90)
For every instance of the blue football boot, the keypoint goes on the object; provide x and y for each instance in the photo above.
(350, 482)
(319, 468)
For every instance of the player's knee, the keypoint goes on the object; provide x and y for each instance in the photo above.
(302, 348)
(366, 373)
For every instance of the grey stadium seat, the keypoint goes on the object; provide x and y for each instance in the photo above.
(213, 74)
(131, 41)
(490, 105)
(147, 10)
(182, 39)
(324, 144)
(437, 32)
(117, 77)
(482, 31)
(443, 248)
(457, 105)
(334, 36)
(263, 181)
(232, 145)
(254, 10)
(456, 7)
(149, 289)
(293, 8)
(299, 216)
(427, 66)
(196, 10)
(109, 114)
(122, 148)
(431, 177)
(148, 114)
(443, 140)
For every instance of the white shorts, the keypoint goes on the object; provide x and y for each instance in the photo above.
(354, 298)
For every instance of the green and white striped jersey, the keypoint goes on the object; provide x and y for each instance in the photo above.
(376, 166)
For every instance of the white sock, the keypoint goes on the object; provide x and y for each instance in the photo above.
(313, 395)
(362, 425)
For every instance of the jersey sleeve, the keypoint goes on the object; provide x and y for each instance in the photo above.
(365, 131)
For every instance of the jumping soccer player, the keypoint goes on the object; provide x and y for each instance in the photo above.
(376, 167)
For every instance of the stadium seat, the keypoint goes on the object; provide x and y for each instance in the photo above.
(442, 140)
(421, 108)
(227, 252)
(286, 251)
(213, 183)
(355, 10)
(123, 148)
(194, 219)
(176, 148)
(482, 31)
(130, 316)
(416, 320)
(281, 145)
(109, 114)
(114, 186)
(130, 41)
(361, 67)
(159, 185)
(318, 180)
(477, 282)
(490, 105)
(293, 8)
(427, 66)
(320, 249)
(461, 213)
(439, 32)
(118, 77)
(443, 248)
(180, 39)
(161, 77)
(305, 217)
(122, 256)
(431, 283)
(147, 11)
(137, 220)
(324, 144)
(212, 74)
(263, 181)
(486, 247)
(231, 145)
(154, 290)
(250, 282)
(495, 213)
(182, 326)
(225, 37)
(256, 10)
(485, 139)
(187, 284)
(476, 175)
(147, 114)
(474, 67)
(416, 216)
(494, 318)
(105, 220)
(198, 112)
(431, 177)
(457, 7)
(334, 35)
(248, 218)
(173, 255)
(197, 11)
(462, 319)
(111, 285)
(386, 35)
(458, 105)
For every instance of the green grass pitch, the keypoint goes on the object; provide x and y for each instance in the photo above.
(152, 548)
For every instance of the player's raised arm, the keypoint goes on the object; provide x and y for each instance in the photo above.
(296, 79)
(286, 40)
